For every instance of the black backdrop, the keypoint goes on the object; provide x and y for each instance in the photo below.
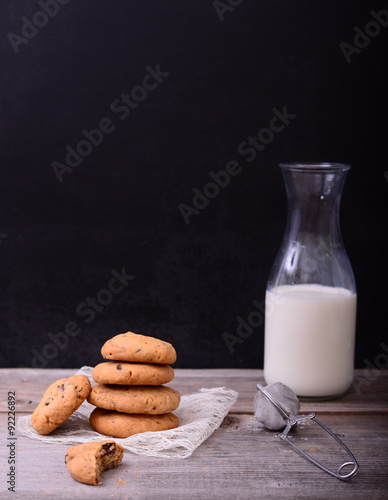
(218, 70)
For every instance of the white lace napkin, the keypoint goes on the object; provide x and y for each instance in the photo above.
(200, 414)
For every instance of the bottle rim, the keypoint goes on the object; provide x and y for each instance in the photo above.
(315, 166)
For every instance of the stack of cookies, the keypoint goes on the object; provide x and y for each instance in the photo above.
(129, 394)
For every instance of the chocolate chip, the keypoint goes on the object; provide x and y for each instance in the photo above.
(108, 448)
(63, 387)
(138, 350)
(47, 403)
(119, 367)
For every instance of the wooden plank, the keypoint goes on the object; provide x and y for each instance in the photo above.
(367, 397)
(238, 461)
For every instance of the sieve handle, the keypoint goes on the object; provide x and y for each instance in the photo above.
(293, 420)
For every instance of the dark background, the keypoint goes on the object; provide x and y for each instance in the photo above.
(119, 207)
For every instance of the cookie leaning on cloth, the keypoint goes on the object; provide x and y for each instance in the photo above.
(131, 389)
(59, 401)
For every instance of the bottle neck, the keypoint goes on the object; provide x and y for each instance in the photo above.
(313, 205)
(312, 250)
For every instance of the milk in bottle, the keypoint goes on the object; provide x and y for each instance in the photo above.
(309, 338)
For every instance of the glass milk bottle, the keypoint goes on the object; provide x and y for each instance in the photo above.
(310, 314)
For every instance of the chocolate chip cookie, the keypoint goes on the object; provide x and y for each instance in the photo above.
(138, 348)
(123, 425)
(122, 373)
(59, 401)
(86, 461)
(135, 398)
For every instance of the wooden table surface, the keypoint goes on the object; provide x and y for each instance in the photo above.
(237, 461)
